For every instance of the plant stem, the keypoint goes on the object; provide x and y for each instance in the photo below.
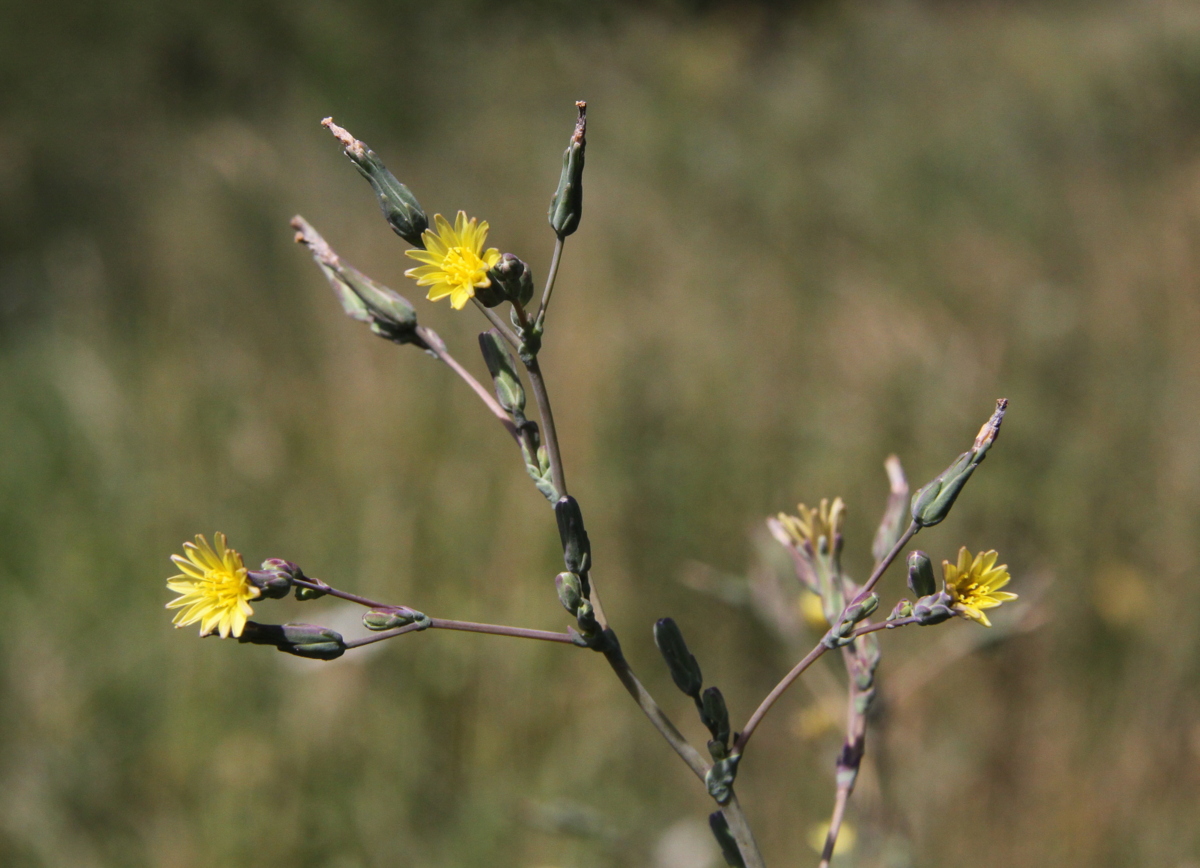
(501, 326)
(549, 432)
(551, 277)
(434, 623)
(650, 708)
(438, 348)
(881, 567)
(759, 713)
(739, 827)
(500, 630)
(835, 824)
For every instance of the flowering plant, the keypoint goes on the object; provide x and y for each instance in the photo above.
(215, 588)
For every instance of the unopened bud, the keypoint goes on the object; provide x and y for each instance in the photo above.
(512, 280)
(931, 504)
(272, 584)
(715, 716)
(901, 610)
(302, 640)
(570, 591)
(577, 549)
(920, 574)
(509, 391)
(567, 205)
(400, 207)
(933, 609)
(391, 617)
(685, 671)
(388, 313)
(719, 779)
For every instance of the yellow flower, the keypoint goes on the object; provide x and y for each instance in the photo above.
(974, 584)
(455, 261)
(812, 524)
(213, 587)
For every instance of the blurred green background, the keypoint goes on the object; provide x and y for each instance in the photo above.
(812, 236)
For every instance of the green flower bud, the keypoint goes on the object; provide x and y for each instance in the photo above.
(920, 574)
(685, 671)
(933, 609)
(274, 580)
(931, 504)
(861, 609)
(719, 779)
(391, 617)
(509, 391)
(567, 204)
(570, 591)
(577, 549)
(302, 640)
(715, 716)
(400, 207)
(729, 847)
(512, 280)
(901, 610)
(388, 313)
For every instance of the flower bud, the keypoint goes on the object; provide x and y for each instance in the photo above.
(901, 610)
(512, 280)
(933, 609)
(577, 549)
(388, 313)
(931, 504)
(719, 779)
(567, 204)
(685, 671)
(920, 574)
(570, 591)
(302, 640)
(272, 584)
(729, 848)
(400, 207)
(391, 617)
(715, 716)
(509, 391)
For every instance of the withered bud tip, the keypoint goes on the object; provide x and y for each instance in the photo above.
(351, 144)
(991, 428)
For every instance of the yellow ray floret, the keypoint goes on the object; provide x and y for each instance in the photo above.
(455, 262)
(812, 524)
(974, 584)
(213, 587)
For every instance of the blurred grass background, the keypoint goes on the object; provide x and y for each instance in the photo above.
(813, 235)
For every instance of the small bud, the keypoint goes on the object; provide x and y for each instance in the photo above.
(719, 779)
(272, 584)
(391, 617)
(577, 549)
(920, 574)
(512, 280)
(933, 609)
(400, 207)
(567, 204)
(302, 640)
(388, 313)
(901, 610)
(509, 391)
(931, 504)
(715, 716)
(861, 609)
(729, 848)
(685, 671)
(570, 591)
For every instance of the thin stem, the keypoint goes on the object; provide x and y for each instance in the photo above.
(551, 277)
(739, 827)
(881, 567)
(501, 326)
(759, 713)
(434, 623)
(500, 630)
(835, 825)
(384, 634)
(549, 432)
(438, 347)
(651, 709)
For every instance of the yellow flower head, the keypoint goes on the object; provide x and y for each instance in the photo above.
(974, 584)
(812, 524)
(213, 587)
(455, 261)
